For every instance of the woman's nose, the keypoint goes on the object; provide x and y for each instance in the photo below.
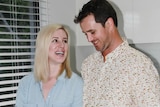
(61, 44)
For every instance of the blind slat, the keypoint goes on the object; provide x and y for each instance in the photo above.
(18, 53)
(20, 22)
(24, 20)
(16, 47)
(18, 40)
(16, 67)
(5, 103)
(9, 82)
(8, 89)
(20, 33)
(12, 26)
(22, 13)
(13, 74)
(9, 5)
(16, 60)
(7, 96)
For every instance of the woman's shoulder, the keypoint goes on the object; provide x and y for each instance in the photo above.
(27, 78)
(76, 81)
(76, 77)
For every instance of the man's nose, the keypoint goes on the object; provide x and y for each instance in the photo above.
(90, 38)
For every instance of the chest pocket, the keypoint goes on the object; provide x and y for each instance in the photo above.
(61, 105)
(33, 105)
(52, 105)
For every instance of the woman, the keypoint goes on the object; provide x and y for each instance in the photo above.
(52, 84)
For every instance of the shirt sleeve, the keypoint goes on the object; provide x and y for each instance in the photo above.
(21, 96)
(146, 86)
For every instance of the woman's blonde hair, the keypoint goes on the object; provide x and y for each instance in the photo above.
(41, 65)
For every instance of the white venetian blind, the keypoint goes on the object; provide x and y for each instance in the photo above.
(20, 21)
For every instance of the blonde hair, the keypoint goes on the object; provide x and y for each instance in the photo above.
(41, 65)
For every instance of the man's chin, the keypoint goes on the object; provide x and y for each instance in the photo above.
(97, 48)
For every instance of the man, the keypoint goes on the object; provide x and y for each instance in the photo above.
(117, 75)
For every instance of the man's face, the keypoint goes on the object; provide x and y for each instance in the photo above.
(95, 33)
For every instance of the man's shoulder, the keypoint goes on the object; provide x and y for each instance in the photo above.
(93, 56)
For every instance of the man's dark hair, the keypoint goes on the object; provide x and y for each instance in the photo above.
(101, 9)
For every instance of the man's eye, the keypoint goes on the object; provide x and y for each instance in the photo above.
(92, 32)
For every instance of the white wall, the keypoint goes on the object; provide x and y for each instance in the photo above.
(138, 21)
(141, 20)
(62, 11)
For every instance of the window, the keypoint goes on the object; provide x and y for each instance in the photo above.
(20, 21)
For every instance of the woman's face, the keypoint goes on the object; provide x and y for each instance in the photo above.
(58, 48)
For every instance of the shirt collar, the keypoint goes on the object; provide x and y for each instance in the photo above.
(117, 51)
(62, 76)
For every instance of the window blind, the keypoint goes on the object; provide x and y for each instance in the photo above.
(20, 20)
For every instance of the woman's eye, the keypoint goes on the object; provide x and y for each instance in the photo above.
(65, 41)
(55, 40)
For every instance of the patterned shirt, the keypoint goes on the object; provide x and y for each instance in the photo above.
(127, 78)
(65, 93)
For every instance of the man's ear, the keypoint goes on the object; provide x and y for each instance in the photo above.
(109, 23)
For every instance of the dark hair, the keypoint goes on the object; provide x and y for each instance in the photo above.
(101, 9)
